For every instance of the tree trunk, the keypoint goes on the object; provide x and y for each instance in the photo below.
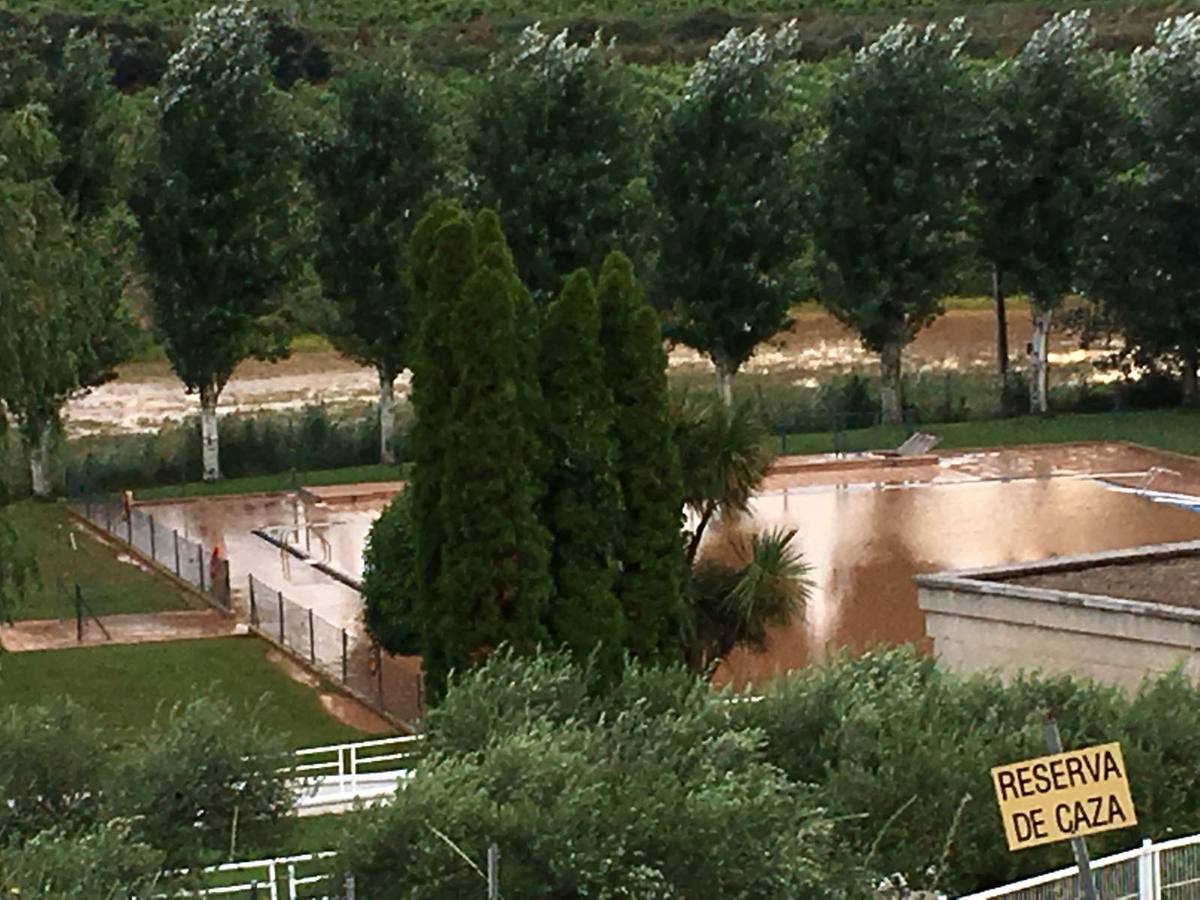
(209, 438)
(725, 373)
(1001, 324)
(387, 416)
(889, 384)
(1191, 361)
(1039, 363)
(39, 462)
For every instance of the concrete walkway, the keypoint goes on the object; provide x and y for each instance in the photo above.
(133, 628)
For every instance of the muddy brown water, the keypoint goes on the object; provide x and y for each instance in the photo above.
(147, 394)
(865, 544)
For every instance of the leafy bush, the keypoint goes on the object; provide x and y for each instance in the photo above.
(900, 753)
(51, 761)
(645, 792)
(102, 863)
(262, 443)
(204, 779)
(389, 581)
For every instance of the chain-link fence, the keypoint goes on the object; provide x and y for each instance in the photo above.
(186, 559)
(345, 656)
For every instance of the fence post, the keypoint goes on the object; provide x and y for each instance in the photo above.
(175, 534)
(348, 886)
(1147, 883)
(345, 661)
(274, 886)
(291, 881)
(200, 563)
(253, 605)
(129, 525)
(78, 613)
(379, 673)
(493, 872)
(153, 543)
(281, 640)
(312, 639)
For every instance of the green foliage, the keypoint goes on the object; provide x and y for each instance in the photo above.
(1141, 262)
(896, 745)
(372, 177)
(48, 762)
(493, 586)
(1052, 121)
(648, 546)
(389, 585)
(176, 790)
(582, 503)
(727, 211)
(252, 444)
(481, 554)
(217, 199)
(554, 144)
(207, 777)
(103, 863)
(735, 605)
(635, 794)
(889, 181)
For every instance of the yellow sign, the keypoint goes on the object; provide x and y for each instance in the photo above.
(1067, 795)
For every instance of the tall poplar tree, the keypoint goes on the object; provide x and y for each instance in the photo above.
(727, 202)
(553, 145)
(372, 177)
(1144, 265)
(650, 546)
(85, 114)
(1053, 123)
(218, 209)
(889, 187)
(582, 504)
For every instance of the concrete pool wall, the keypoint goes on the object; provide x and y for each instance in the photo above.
(978, 619)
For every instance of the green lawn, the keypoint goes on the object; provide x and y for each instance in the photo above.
(282, 481)
(109, 585)
(127, 685)
(1177, 430)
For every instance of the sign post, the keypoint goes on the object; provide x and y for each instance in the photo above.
(1078, 845)
(1064, 796)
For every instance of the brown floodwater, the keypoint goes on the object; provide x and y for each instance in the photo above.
(865, 543)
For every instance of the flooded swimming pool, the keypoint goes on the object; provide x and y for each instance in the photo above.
(864, 540)
(865, 543)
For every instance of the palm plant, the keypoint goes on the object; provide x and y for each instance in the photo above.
(725, 457)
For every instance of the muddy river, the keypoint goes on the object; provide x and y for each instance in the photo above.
(865, 543)
(147, 394)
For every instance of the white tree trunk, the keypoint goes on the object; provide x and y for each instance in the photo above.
(1039, 357)
(387, 416)
(209, 437)
(39, 463)
(889, 382)
(725, 374)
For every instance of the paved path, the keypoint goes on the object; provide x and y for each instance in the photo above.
(133, 628)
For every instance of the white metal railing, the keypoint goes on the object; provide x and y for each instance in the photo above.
(334, 776)
(278, 878)
(1169, 870)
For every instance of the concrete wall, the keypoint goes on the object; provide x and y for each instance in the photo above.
(978, 622)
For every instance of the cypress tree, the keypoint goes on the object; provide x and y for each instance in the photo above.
(582, 505)
(650, 548)
(493, 584)
(444, 256)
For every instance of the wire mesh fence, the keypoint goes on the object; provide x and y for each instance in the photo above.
(344, 655)
(183, 557)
